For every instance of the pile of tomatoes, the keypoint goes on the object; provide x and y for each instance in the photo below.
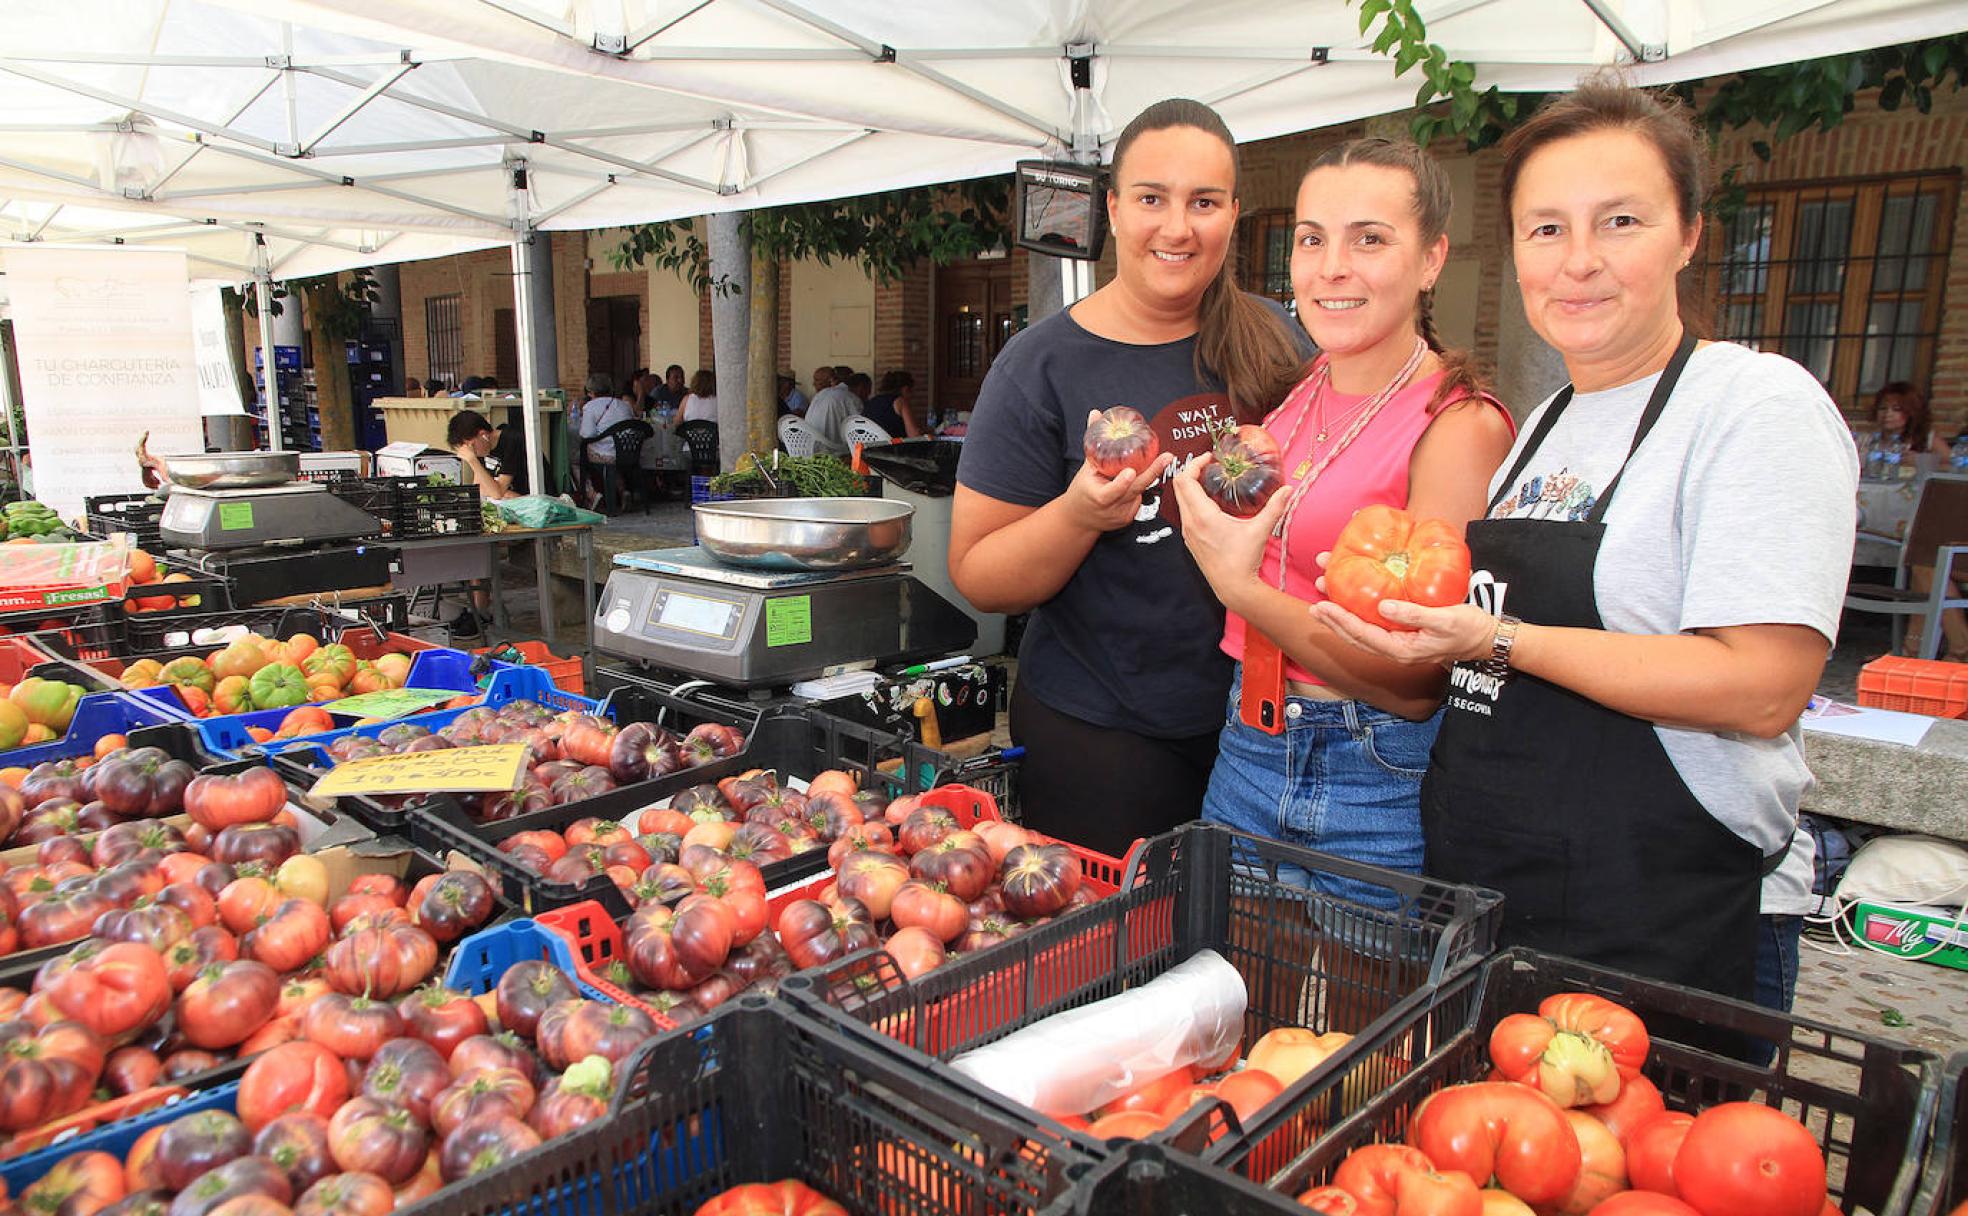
(789, 1197)
(1567, 1124)
(375, 1106)
(571, 756)
(207, 959)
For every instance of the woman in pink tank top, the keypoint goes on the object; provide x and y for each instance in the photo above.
(1384, 416)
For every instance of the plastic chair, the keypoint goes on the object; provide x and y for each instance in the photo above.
(796, 437)
(861, 429)
(700, 439)
(628, 436)
(1937, 534)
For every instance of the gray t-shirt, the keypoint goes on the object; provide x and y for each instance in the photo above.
(830, 409)
(1739, 509)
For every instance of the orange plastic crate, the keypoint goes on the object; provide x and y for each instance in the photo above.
(565, 673)
(1915, 686)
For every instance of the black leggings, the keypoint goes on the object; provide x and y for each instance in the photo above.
(1103, 787)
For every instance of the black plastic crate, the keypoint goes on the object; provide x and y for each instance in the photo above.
(1146, 1178)
(137, 514)
(92, 631)
(1870, 1103)
(757, 1094)
(787, 742)
(422, 509)
(1944, 1185)
(147, 633)
(1307, 959)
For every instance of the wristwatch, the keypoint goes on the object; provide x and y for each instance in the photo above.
(1505, 637)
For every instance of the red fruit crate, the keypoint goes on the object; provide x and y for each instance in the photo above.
(597, 938)
(1306, 958)
(565, 673)
(1915, 686)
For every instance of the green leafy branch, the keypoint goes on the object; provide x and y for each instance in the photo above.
(1479, 116)
(886, 233)
(1791, 98)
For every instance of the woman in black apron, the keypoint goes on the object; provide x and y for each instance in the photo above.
(1657, 583)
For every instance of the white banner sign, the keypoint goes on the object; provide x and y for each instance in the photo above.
(105, 348)
(218, 378)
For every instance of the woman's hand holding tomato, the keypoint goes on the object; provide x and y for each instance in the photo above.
(1102, 504)
(1384, 553)
(1228, 549)
(1426, 635)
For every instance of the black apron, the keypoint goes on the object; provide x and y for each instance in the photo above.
(1572, 810)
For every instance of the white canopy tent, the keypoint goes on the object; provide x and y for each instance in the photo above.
(344, 133)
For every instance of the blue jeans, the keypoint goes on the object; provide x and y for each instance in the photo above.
(1344, 778)
(1776, 971)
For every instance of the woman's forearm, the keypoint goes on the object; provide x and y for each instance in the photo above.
(1399, 688)
(1024, 563)
(1753, 679)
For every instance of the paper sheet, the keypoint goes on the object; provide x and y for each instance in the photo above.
(1862, 722)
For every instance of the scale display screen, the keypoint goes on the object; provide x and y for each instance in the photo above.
(696, 614)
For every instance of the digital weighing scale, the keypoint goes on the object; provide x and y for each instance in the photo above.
(683, 610)
(272, 541)
(298, 513)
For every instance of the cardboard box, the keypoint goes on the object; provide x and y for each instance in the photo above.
(407, 458)
(1928, 935)
(355, 464)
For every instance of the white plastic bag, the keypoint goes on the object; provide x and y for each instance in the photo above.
(1075, 1061)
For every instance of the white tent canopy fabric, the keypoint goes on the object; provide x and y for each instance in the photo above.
(346, 125)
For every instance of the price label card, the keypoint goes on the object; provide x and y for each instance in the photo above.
(457, 769)
(391, 702)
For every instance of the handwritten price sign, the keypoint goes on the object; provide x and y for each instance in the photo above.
(392, 702)
(457, 769)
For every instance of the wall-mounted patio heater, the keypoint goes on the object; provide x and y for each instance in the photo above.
(1062, 210)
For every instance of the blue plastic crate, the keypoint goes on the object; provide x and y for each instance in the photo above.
(508, 684)
(115, 1138)
(226, 737)
(99, 714)
(478, 961)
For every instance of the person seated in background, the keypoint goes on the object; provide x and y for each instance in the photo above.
(434, 387)
(472, 439)
(670, 393)
(830, 409)
(700, 404)
(1899, 411)
(891, 408)
(470, 387)
(411, 388)
(861, 386)
(601, 410)
(791, 400)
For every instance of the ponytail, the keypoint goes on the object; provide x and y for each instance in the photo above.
(1459, 377)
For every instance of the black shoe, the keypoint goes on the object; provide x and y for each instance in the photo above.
(465, 625)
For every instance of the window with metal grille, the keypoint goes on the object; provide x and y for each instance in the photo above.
(1266, 255)
(444, 338)
(1842, 276)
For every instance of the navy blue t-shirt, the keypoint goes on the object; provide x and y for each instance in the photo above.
(1131, 641)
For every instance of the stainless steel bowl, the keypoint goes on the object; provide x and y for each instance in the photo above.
(232, 470)
(805, 533)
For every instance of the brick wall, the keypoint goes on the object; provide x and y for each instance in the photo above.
(904, 322)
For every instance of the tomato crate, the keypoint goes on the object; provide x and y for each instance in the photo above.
(1915, 686)
(146, 632)
(478, 961)
(115, 1127)
(434, 669)
(98, 714)
(1306, 958)
(1869, 1103)
(593, 930)
(757, 1093)
(89, 631)
(1944, 1183)
(789, 742)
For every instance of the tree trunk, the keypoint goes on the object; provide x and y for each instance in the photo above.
(731, 261)
(331, 375)
(762, 368)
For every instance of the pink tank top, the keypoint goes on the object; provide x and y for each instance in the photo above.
(1373, 469)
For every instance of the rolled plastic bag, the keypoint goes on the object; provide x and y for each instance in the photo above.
(1075, 1061)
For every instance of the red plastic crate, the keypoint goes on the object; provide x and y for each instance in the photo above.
(565, 673)
(598, 941)
(1915, 686)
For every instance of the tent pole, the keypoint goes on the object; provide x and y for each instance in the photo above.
(529, 377)
(270, 366)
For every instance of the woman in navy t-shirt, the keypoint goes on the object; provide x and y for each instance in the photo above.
(1120, 683)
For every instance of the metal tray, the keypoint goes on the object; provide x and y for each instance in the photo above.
(805, 533)
(232, 470)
